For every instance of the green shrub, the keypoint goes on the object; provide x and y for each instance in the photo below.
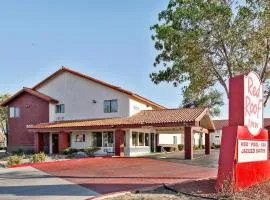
(3, 148)
(70, 151)
(19, 152)
(213, 146)
(14, 160)
(91, 150)
(38, 157)
(180, 147)
(196, 147)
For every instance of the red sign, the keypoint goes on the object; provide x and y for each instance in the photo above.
(243, 159)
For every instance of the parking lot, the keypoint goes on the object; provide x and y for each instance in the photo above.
(90, 177)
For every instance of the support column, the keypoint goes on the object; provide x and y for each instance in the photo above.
(188, 143)
(63, 141)
(38, 142)
(119, 142)
(207, 143)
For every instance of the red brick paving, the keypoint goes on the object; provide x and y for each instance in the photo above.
(106, 175)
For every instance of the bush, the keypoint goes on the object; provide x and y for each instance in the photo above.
(169, 149)
(215, 146)
(19, 152)
(70, 151)
(180, 147)
(14, 160)
(91, 150)
(38, 157)
(195, 147)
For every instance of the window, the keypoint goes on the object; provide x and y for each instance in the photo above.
(141, 139)
(60, 108)
(134, 139)
(216, 136)
(14, 112)
(174, 139)
(97, 139)
(110, 106)
(80, 138)
(108, 139)
(146, 139)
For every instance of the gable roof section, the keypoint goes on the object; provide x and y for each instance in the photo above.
(32, 92)
(155, 118)
(219, 124)
(131, 94)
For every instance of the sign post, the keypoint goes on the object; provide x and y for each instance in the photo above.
(243, 159)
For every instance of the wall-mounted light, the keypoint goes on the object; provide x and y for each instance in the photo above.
(94, 101)
(27, 106)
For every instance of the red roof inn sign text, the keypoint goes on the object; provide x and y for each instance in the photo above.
(243, 159)
(253, 103)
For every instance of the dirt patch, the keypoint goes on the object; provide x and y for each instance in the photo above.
(198, 190)
(160, 193)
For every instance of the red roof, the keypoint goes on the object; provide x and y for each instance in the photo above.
(132, 94)
(157, 118)
(32, 92)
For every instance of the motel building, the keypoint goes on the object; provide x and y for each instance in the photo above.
(70, 109)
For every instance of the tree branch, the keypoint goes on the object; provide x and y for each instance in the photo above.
(229, 64)
(221, 80)
(266, 61)
(267, 97)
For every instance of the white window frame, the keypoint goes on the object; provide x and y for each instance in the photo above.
(14, 112)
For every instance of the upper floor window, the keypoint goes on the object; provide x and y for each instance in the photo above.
(60, 108)
(14, 112)
(110, 106)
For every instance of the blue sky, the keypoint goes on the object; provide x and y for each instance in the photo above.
(109, 40)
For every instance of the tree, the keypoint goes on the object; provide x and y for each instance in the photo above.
(212, 100)
(3, 114)
(204, 43)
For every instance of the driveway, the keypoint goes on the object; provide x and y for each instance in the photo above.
(30, 183)
(94, 176)
(200, 159)
(107, 175)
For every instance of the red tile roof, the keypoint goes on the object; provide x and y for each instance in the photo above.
(220, 123)
(224, 122)
(32, 92)
(131, 94)
(159, 118)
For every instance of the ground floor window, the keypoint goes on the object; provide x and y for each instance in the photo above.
(174, 139)
(97, 139)
(80, 138)
(108, 139)
(140, 139)
(134, 139)
(146, 139)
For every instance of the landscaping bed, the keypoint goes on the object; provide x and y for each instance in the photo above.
(197, 190)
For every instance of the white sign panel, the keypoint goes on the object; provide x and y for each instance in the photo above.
(252, 150)
(253, 103)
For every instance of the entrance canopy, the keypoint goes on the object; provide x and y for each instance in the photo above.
(182, 117)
